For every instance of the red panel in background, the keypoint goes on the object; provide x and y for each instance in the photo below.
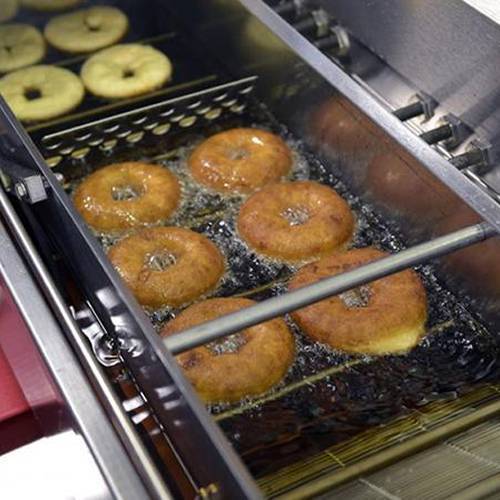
(18, 425)
(30, 404)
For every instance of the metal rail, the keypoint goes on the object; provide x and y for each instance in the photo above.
(93, 424)
(277, 306)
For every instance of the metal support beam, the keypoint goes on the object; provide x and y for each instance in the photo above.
(277, 306)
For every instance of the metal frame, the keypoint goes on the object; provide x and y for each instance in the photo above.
(475, 196)
(171, 397)
(154, 369)
(91, 419)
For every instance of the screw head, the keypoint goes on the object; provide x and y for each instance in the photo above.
(20, 190)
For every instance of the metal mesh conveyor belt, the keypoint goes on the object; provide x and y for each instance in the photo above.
(464, 467)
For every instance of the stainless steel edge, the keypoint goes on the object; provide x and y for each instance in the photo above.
(282, 304)
(449, 50)
(472, 194)
(92, 421)
(172, 397)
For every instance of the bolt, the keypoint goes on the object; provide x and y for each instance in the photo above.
(20, 190)
(59, 177)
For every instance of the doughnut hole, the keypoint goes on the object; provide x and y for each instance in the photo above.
(32, 93)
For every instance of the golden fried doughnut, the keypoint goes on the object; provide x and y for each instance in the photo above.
(9, 9)
(244, 364)
(294, 221)
(126, 70)
(20, 45)
(86, 30)
(386, 316)
(41, 92)
(241, 160)
(167, 266)
(125, 195)
(47, 5)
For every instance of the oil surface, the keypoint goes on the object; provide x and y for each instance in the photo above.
(326, 397)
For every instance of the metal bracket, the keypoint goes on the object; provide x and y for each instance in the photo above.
(316, 24)
(424, 105)
(22, 182)
(104, 350)
(451, 133)
(478, 154)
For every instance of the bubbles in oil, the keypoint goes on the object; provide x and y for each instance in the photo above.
(327, 396)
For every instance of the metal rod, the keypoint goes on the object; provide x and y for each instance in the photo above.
(467, 159)
(285, 8)
(327, 42)
(410, 111)
(306, 25)
(81, 403)
(277, 306)
(438, 134)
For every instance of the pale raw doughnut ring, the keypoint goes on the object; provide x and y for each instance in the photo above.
(9, 9)
(20, 45)
(126, 70)
(87, 30)
(41, 92)
(50, 4)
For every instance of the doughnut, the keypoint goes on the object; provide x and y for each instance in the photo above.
(125, 195)
(41, 92)
(9, 9)
(247, 363)
(167, 266)
(47, 5)
(126, 70)
(296, 221)
(20, 45)
(397, 182)
(86, 30)
(386, 316)
(241, 160)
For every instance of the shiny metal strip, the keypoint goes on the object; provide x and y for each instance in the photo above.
(163, 385)
(323, 289)
(94, 424)
(472, 194)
